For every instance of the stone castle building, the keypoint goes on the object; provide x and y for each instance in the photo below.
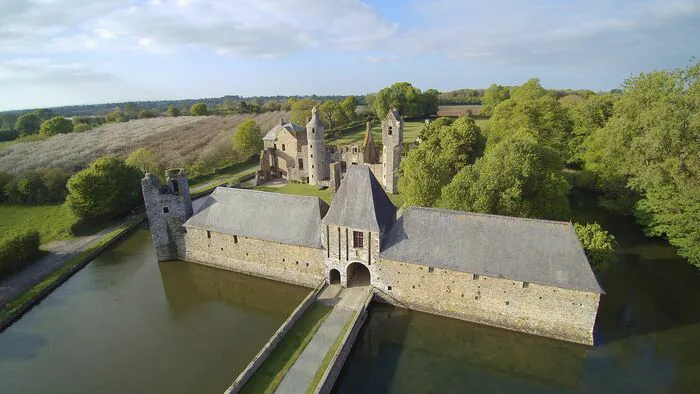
(521, 274)
(300, 154)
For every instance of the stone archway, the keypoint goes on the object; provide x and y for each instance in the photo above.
(358, 275)
(334, 277)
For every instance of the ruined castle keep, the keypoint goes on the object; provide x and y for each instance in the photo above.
(297, 153)
(521, 274)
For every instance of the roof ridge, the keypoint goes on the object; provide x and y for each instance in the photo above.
(505, 217)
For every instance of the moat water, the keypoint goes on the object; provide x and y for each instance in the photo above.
(126, 324)
(647, 336)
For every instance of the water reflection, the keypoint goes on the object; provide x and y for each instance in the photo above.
(126, 324)
(647, 336)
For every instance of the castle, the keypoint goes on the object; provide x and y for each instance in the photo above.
(300, 154)
(521, 274)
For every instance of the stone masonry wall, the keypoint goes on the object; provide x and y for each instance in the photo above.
(286, 263)
(341, 252)
(532, 308)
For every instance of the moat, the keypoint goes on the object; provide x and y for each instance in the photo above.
(127, 324)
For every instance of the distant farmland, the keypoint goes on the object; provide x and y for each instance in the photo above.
(459, 110)
(174, 141)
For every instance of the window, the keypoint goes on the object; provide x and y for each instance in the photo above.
(208, 234)
(176, 188)
(388, 287)
(526, 285)
(283, 147)
(431, 269)
(390, 130)
(166, 210)
(313, 131)
(357, 239)
(274, 146)
(301, 164)
(312, 155)
(354, 150)
(312, 166)
(235, 239)
(311, 146)
(475, 277)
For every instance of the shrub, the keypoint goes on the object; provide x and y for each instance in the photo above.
(107, 189)
(8, 135)
(56, 125)
(173, 111)
(146, 114)
(82, 127)
(115, 116)
(28, 124)
(5, 179)
(17, 248)
(27, 188)
(598, 244)
(55, 180)
(199, 109)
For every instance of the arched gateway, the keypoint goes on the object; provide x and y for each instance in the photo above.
(358, 275)
(334, 277)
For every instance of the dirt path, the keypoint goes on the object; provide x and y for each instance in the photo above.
(60, 252)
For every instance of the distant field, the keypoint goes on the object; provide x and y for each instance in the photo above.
(410, 133)
(52, 221)
(174, 141)
(459, 110)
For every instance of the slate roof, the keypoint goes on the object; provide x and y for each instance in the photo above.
(282, 218)
(528, 250)
(361, 203)
(291, 127)
(393, 113)
(315, 121)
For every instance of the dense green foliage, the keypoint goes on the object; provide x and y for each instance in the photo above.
(461, 97)
(338, 114)
(8, 134)
(199, 109)
(449, 147)
(145, 161)
(115, 116)
(493, 96)
(82, 127)
(517, 177)
(248, 138)
(598, 244)
(173, 111)
(405, 98)
(46, 186)
(146, 114)
(107, 189)
(650, 148)
(301, 110)
(28, 124)
(56, 125)
(17, 248)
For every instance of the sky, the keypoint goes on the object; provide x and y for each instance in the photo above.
(66, 52)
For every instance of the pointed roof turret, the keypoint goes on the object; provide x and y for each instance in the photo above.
(361, 203)
(315, 121)
(393, 113)
(369, 150)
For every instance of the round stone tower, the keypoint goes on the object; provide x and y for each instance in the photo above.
(317, 149)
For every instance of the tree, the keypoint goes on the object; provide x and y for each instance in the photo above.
(598, 244)
(173, 111)
(7, 121)
(329, 111)
(107, 189)
(56, 125)
(28, 124)
(131, 111)
(493, 96)
(44, 114)
(301, 111)
(570, 100)
(55, 180)
(349, 108)
(650, 146)
(402, 96)
(517, 177)
(199, 109)
(115, 116)
(146, 114)
(248, 138)
(588, 116)
(144, 160)
(530, 90)
(28, 188)
(82, 127)
(428, 102)
(428, 168)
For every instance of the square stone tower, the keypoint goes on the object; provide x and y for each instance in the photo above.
(168, 207)
(392, 146)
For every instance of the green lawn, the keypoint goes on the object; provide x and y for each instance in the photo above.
(304, 189)
(223, 179)
(481, 122)
(272, 371)
(52, 221)
(356, 135)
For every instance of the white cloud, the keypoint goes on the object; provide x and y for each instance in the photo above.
(265, 28)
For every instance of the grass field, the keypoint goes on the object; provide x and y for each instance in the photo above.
(29, 138)
(52, 221)
(410, 133)
(272, 371)
(304, 189)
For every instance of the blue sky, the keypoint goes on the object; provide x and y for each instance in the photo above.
(62, 52)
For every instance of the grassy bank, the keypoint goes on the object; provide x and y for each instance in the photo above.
(329, 356)
(21, 304)
(52, 221)
(272, 371)
(304, 189)
(223, 179)
(410, 133)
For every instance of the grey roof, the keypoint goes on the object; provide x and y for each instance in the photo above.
(361, 203)
(276, 217)
(527, 250)
(291, 127)
(315, 121)
(393, 113)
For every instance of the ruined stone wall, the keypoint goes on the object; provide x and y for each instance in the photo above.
(286, 263)
(542, 310)
(167, 207)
